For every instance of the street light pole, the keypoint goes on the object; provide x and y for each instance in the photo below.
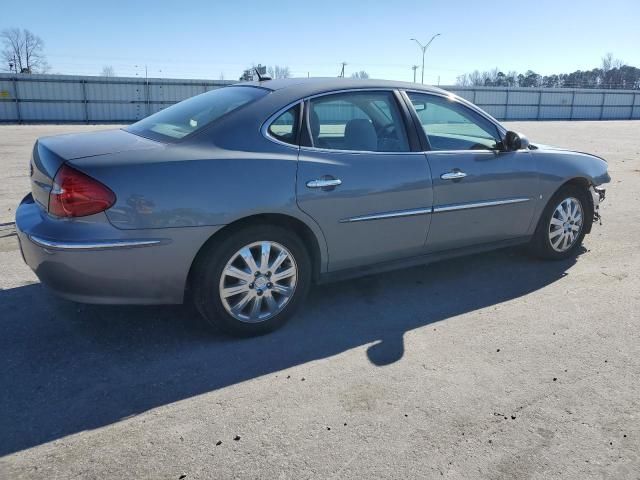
(343, 64)
(424, 50)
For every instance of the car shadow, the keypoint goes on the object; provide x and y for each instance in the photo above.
(69, 367)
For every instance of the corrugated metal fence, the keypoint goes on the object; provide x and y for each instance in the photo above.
(66, 98)
(553, 103)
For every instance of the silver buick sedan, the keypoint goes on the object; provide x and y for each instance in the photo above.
(240, 198)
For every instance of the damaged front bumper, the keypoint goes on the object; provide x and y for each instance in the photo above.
(597, 195)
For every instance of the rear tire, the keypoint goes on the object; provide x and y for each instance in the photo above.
(562, 225)
(252, 281)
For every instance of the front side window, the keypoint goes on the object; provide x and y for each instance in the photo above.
(285, 127)
(362, 121)
(452, 126)
(193, 114)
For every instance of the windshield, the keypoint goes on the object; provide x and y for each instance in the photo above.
(193, 114)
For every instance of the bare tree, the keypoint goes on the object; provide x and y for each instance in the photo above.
(463, 80)
(24, 51)
(607, 62)
(361, 74)
(611, 70)
(476, 78)
(472, 79)
(279, 72)
(108, 71)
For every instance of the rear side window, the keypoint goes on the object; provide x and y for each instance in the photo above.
(285, 127)
(189, 116)
(360, 121)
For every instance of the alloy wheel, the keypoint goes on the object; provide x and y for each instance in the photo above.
(258, 281)
(566, 224)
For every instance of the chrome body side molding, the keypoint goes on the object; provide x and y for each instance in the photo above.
(380, 216)
(426, 211)
(92, 245)
(465, 206)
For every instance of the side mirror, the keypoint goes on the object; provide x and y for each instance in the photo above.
(515, 141)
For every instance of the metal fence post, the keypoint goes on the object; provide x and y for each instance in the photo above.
(539, 102)
(604, 95)
(85, 101)
(633, 105)
(506, 106)
(17, 100)
(148, 95)
(573, 101)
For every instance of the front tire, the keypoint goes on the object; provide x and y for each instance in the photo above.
(562, 225)
(251, 282)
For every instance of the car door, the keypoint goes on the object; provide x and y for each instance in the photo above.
(482, 193)
(360, 178)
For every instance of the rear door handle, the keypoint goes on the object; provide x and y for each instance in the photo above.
(324, 183)
(455, 175)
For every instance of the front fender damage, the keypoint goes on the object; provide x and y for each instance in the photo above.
(597, 197)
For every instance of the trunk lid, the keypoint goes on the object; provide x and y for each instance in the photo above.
(49, 153)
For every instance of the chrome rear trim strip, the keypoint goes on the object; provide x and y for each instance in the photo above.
(92, 245)
(465, 206)
(380, 216)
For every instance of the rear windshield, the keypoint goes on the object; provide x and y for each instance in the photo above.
(193, 114)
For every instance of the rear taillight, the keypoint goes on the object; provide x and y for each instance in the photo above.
(75, 194)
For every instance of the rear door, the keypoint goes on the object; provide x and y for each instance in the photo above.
(363, 180)
(481, 193)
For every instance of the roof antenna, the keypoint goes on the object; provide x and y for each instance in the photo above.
(261, 72)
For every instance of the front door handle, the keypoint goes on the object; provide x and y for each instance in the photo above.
(455, 175)
(324, 183)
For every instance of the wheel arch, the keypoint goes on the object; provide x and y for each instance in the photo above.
(315, 245)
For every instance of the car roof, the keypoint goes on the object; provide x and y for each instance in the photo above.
(304, 87)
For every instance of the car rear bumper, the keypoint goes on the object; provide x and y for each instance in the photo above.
(90, 261)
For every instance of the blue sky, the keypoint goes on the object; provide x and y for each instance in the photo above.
(202, 39)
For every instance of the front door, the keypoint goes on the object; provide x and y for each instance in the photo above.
(360, 181)
(482, 193)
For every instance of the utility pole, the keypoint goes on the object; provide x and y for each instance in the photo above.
(424, 50)
(414, 68)
(342, 71)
